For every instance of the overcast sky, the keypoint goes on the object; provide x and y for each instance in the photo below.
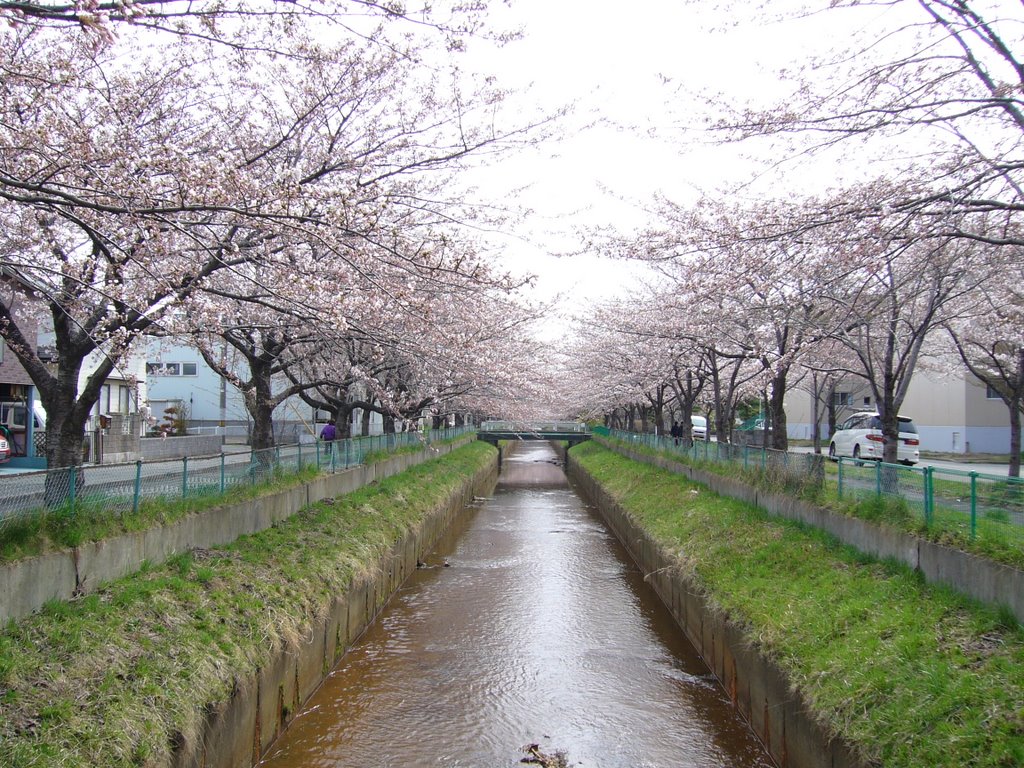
(645, 75)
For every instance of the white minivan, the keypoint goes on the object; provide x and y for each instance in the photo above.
(699, 427)
(860, 437)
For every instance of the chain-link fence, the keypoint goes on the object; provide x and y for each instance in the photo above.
(971, 504)
(120, 489)
(786, 471)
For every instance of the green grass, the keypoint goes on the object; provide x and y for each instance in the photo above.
(914, 676)
(95, 518)
(999, 533)
(115, 678)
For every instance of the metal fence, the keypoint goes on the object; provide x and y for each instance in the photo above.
(120, 489)
(969, 503)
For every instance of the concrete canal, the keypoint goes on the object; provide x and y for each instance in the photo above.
(529, 625)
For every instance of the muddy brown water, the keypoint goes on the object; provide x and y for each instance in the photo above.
(540, 630)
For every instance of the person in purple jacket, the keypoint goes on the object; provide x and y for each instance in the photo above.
(329, 434)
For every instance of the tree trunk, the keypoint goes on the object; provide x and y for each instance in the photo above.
(890, 428)
(262, 425)
(832, 414)
(1015, 439)
(364, 422)
(815, 412)
(65, 478)
(260, 405)
(389, 424)
(780, 436)
(343, 422)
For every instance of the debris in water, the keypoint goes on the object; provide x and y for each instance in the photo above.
(421, 564)
(535, 757)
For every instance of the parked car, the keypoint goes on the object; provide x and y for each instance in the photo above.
(699, 427)
(5, 450)
(860, 437)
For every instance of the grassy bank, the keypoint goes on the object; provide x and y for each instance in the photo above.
(914, 676)
(117, 677)
(997, 537)
(96, 516)
(37, 532)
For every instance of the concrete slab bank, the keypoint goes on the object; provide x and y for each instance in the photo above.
(973, 576)
(26, 585)
(758, 689)
(240, 731)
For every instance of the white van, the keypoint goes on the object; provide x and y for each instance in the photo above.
(14, 415)
(699, 426)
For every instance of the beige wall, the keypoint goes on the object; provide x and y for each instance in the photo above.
(983, 412)
(936, 400)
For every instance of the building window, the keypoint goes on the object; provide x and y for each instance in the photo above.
(839, 399)
(172, 369)
(867, 400)
(124, 399)
(992, 393)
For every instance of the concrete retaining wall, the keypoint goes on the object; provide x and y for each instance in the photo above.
(240, 731)
(973, 576)
(154, 448)
(27, 584)
(758, 689)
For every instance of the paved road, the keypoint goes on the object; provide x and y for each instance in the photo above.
(961, 466)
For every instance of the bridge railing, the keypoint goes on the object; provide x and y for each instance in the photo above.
(533, 426)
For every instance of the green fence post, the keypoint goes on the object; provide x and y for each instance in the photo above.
(223, 472)
(184, 476)
(929, 499)
(138, 486)
(878, 479)
(746, 450)
(839, 485)
(72, 482)
(299, 459)
(974, 504)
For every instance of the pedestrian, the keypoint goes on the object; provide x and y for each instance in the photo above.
(329, 434)
(677, 432)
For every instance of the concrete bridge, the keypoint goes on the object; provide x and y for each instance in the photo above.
(572, 432)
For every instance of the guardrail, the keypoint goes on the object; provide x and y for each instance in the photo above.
(119, 489)
(970, 503)
(532, 426)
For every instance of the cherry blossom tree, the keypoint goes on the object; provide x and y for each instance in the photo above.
(893, 284)
(745, 279)
(927, 89)
(130, 176)
(990, 342)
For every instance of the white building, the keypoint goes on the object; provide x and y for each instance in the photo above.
(953, 414)
(178, 376)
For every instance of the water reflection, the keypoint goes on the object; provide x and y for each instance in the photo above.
(540, 631)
